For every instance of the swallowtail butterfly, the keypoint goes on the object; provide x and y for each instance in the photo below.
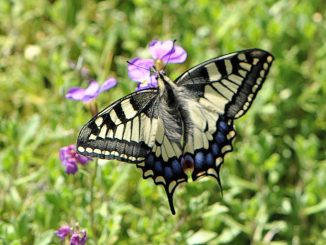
(185, 124)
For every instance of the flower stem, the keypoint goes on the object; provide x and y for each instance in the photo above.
(92, 190)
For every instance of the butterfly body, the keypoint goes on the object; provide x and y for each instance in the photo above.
(182, 124)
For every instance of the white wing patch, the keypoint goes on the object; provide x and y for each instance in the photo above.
(204, 120)
(163, 147)
(213, 100)
(213, 72)
(128, 109)
(148, 128)
(114, 117)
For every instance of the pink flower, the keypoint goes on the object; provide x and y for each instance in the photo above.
(76, 237)
(167, 52)
(70, 158)
(91, 92)
(63, 231)
(163, 52)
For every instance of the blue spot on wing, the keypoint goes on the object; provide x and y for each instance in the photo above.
(222, 127)
(219, 138)
(215, 149)
(150, 161)
(168, 174)
(206, 163)
(199, 160)
(176, 168)
(210, 160)
(158, 168)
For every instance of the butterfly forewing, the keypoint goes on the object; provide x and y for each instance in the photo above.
(228, 84)
(125, 130)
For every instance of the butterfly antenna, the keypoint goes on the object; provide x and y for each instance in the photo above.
(129, 63)
(170, 53)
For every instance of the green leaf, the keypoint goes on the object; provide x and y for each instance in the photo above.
(201, 237)
(320, 207)
(44, 238)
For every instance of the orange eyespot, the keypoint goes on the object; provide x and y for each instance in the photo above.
(187, 163)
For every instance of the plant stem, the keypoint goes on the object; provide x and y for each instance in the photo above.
(92, 190)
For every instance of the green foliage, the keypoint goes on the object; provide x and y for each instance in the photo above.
(274, 181)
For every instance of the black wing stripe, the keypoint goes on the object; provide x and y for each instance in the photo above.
(120, 113)
(221, 68)
(109, 122)
(235, 61)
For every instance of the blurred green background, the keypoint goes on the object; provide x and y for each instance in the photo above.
(274, 181)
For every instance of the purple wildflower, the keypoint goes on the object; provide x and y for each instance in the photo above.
(78, 238)
(163, 52)
(139, 71)
(90, 93)
(63, 231)
(139, 68)
(167, 52)
(70, 158)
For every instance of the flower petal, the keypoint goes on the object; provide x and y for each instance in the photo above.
(84, 94)
(78, 238)
(93, 89)
(83, 238)
(75, 93)
(151, 83)
(65, 152)
(177, 55)
(159, 49)
(75, 239)
(108, 84)
(71, 167)
(70, 159)
(139, 69)
(82, 159)
(63, 231)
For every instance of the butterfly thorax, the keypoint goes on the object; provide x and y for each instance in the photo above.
(165, 85)
(173, 110)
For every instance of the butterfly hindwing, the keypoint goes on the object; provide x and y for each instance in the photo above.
(124, 131)
(228, 84)
(202, 161)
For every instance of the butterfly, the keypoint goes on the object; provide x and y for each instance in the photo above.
(186, 124)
